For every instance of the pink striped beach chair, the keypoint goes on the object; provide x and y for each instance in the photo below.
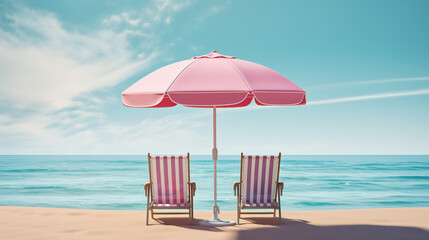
(170, 186)
(259, 186)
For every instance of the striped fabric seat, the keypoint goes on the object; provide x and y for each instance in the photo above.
(259, 179)
(259, 205)
(166, 205)
(169, 176)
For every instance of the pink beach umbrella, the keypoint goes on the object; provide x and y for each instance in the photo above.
(213, 81)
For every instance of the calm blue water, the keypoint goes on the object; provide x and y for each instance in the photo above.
(311, 182)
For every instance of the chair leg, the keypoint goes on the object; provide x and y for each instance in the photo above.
(147, 209)
(280, 211)
(191, 215)
(147, 216)
(191, 209)
(238, 208)
(274, 214)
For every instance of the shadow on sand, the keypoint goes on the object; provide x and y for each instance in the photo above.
(184, 223)
(301, 229)
(268, 228)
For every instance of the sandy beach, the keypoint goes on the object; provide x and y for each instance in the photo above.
(56, 223)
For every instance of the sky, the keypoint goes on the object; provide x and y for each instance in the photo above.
(364, 66)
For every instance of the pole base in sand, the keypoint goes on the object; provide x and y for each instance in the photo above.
(215, 222)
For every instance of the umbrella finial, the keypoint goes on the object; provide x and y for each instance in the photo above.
(214, 54)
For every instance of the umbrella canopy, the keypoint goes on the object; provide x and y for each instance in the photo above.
(213, 81)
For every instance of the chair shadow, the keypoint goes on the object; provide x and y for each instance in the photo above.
(184, 223)
(301, 229)
(272, 221)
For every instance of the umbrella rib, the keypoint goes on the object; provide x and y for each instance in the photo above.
(241, 75)
(179, 75)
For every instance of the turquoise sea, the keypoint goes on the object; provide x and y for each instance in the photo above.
(311, 182)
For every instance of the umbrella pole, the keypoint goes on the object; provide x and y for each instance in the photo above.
(214, 155)
(215, 221)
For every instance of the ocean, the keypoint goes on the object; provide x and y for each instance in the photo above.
(311, 182)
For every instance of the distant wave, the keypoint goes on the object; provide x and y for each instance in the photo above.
(311, 182)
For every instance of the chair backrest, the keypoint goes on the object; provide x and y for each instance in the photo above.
(259, 177)
(169, 176)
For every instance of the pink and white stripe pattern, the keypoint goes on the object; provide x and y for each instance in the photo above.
(259, 177)
(169, 178)
(261, 205)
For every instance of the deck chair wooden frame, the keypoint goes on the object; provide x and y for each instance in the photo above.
(276, 202)
(151, 204)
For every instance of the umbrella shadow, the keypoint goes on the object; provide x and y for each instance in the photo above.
(301, 229)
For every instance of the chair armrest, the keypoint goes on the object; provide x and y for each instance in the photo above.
(146, 189)
(193, 186)
(280, 186)
(236, 186)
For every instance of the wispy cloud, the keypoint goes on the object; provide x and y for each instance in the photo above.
(378, 81)
(370, 97)
(51, 76)
(155, 13)
(212, 10)
(36, 136)
(164, 9)
(123, 17)
(43, 64)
